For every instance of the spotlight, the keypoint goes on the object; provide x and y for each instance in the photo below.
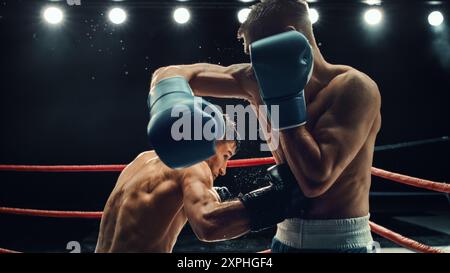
(53, 15)
(243, 14)
(181, 15)
(373, 16)
(435, 18)
(117, 16)
(313, 16)
(373, 2)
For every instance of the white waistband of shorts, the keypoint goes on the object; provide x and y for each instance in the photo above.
(325, 234)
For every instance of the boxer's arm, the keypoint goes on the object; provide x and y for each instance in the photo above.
(211, 220)
(210, 79)
(234, 81)
(317, 158)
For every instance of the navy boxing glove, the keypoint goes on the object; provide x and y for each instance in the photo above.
(281, 200)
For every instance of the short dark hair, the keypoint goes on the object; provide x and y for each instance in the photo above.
(270, 17)
(231, 133)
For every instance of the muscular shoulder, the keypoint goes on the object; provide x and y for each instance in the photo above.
(198, 173)
(355, 87)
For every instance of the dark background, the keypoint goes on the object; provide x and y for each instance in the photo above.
(76, 94)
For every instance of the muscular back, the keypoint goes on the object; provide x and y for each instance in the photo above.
(348, 196)
(144, 211)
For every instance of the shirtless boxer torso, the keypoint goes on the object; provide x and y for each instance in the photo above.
(151, 203)
(141, 197)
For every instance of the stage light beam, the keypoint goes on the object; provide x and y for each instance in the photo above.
(435, 18)
(373, 16)
(117, 16)
(313, 15)
(53, 15)
(181, 15)
(243, 14)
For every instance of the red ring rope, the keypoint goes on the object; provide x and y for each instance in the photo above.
(62, 168)
(400, 178)
(53, 213)
(4, 250)
(412, 181)
(382, 231)
(250, 162)
(402, 240)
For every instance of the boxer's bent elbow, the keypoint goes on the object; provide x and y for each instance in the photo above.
(318, 175)
(312, 188)
(314, 183)
(158, 71)
(209, 225)
(167, 72)
(156, 76)
(163, 71)
(205, 230)
(313, 192)
(207, 235)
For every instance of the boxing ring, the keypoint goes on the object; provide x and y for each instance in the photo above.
(239, 163)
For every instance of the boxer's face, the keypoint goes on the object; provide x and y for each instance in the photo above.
(218, 163)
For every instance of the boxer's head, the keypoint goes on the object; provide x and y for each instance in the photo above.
(270, 17)
(225, 149)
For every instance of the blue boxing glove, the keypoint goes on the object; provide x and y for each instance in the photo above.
(179, 124)
(283, 66)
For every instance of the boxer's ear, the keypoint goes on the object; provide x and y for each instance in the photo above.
(290, 28)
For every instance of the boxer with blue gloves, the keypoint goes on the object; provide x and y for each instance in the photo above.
(328, 158)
